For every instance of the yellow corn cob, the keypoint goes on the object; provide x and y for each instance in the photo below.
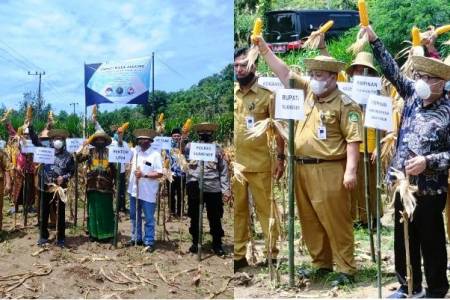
(166, 163)
(29, 114)
(324, 28)
(94, 111)
(342, 77)
(257, 27)
(415, 33)
(187, 126)
(442, 29)
(123, 127)
(363, 15)
(161, 118)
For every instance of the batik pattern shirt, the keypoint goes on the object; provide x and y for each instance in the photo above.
(424, 130)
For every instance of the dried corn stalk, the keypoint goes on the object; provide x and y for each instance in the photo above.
(406, 191)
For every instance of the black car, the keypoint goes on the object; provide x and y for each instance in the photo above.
(285, 29)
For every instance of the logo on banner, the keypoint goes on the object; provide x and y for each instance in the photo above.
(120, 82)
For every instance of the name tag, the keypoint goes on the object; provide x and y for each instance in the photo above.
(250, 122)
(322, 133)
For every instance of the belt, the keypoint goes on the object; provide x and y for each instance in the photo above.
(306, 161)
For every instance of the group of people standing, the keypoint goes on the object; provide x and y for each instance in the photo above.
(329, 177)
(42, 188)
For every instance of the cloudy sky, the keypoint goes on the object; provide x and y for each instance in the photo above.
(191, 40)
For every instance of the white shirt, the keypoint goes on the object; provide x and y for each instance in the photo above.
(147, 161)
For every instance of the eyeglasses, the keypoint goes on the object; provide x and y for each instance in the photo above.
(424, 77)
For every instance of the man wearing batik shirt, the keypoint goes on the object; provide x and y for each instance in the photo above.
(422, 152)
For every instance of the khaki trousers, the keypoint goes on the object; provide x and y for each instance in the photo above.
(324, 210)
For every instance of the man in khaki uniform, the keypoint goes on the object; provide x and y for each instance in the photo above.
(5, 183)
(252, 103)
(364, 60)
(327, 151)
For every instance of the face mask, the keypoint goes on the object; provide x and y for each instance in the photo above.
(58, 144)
(205, 137)
(318, 86)
(246, 80)
(422, 89)
(45, 143)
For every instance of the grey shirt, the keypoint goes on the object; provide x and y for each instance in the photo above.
(215, 178)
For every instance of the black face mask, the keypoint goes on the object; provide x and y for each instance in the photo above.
(246, 80)
(205, 137)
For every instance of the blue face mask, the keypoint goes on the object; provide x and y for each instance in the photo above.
(45, 143)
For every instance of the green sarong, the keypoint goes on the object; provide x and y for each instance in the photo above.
(101, 215)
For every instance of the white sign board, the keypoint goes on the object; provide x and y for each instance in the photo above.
(379, 113)
(202, 151)
(165, 141)
(118, 154)
(289, 104)
(72, 145)
(346, 87)
(363, 86)
(44, 155)
(26, 146)
(2, 144)
(271, 83)
(156, 145)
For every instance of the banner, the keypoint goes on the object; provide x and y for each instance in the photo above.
(120, 82)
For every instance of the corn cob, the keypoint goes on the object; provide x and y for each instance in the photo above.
(442, 29)
(29, 114)
(363, 15)
(257, 27)
(415, 33)
(187, 126)
(123, 127)
(161, 118)
(324, 28)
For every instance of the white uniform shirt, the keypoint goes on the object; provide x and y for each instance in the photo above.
(147, 162)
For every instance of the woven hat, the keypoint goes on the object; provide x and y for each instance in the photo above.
(44, 134)
(324, 63)
(58, 133)
(144, 133)
(205, 127)
(362, 59)
(431, 66)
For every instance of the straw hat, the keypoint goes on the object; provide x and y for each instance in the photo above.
(324, 63)
(362, 59)
(100, 134)
(58, 133)
(431, 66)
(205, 127)
(144, 133)
(44, 134)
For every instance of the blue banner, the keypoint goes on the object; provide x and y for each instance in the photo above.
(120, 82)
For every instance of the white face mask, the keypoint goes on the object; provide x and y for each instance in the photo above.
(318, 86)
(422, 88)
(58, 144)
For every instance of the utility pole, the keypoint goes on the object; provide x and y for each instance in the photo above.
(74, 105)
(39, 104)
(153, 90)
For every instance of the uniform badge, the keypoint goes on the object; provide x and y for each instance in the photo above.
(353, 116)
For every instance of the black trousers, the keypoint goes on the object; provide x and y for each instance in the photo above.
(61, 216)
(122, 186)
(214, 211)
(427, 241)
(175, 195)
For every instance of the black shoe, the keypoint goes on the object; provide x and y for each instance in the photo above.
(308, 273)
(150, 249)
(218, 250)
(193, 249)
(343, 279)
(41, 242)
(60, 244)
(131, 243)
(239, 264)
(402, 293)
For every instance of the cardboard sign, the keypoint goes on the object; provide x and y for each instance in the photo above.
(165, 141)
(202, 151)
(379, 113)
(156, 145)
(44, 155)
(2, 144)
(363, 86)
(118, 154)
(289, 104)
(271, 83)
(346, 87)
(27, 146)
(72, 145)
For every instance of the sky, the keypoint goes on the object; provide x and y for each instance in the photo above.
(191, 39)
